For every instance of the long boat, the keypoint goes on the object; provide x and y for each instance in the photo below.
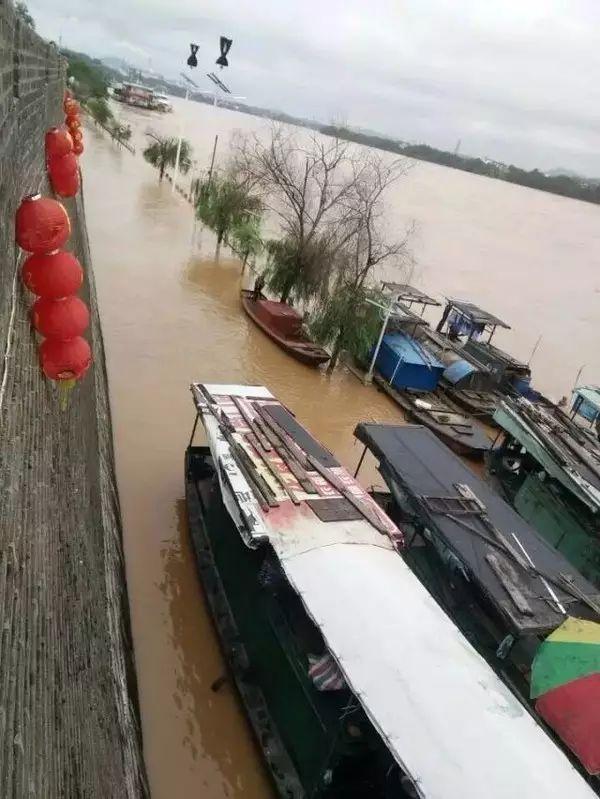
(504, 584)
(356, 682)
(284, 326)
(548, 466)
(459, 431)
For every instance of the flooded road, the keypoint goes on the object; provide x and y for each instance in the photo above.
(171, 316)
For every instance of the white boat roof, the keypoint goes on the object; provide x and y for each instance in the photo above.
(446, 717)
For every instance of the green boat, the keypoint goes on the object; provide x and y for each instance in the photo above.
(355, 681)
(548, 466)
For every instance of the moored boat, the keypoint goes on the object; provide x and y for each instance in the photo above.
(284, 326)
(436, 411)
(356, 682)
(548, 466)
(501, 582)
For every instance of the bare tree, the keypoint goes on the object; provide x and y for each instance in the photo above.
(308, 185)
(345, 319)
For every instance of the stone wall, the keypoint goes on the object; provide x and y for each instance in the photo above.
(68, 721)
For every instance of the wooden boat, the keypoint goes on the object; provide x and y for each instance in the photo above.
(308, 591)
(549, 468)
(284, 325)
(459, 431)
(502, 583)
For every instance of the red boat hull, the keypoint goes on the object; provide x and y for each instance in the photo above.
(296, 344)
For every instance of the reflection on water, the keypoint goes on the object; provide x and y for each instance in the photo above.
(172, 315)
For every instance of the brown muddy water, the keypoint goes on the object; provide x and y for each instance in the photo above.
(171, 315)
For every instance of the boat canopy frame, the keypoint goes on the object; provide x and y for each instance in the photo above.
(473, 314)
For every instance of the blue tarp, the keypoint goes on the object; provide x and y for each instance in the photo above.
(459, 370)
(408, 363)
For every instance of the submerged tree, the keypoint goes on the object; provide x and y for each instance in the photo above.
(246, 239)
(224, 204)
(306, 184)
(346, 317)
(99, 110)
(162, 153)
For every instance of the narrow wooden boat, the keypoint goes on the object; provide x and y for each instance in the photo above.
(354, 679)
(459, 431)
(284, 326)
(480, 404)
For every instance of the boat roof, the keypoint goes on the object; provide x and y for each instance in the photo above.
(404, 293)
(561, 448)
(411, 351)
(590, 394)
(476, 314)
(440, 488)
(446, 717)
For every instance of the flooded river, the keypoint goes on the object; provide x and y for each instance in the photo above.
(171, 315)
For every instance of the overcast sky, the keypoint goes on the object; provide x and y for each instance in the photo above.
(514, 80)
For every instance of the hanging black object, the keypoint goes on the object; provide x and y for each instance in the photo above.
(192, 60)
(225, 48)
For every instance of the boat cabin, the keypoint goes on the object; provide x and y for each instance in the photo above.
(549, 468)
(279, 316)
(504, 585)
(137, 95)
(472, 329)
(459, 372)
(355, 680)
(586, 404)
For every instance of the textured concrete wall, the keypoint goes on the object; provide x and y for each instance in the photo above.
(68, 726)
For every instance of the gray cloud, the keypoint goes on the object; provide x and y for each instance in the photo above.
(516, 80)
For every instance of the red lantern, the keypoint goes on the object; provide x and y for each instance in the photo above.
(41, 224)
(66, 185)
(71, 107)
(65, 360)
(63, 164)
(58, 143)
(64, 175)
(77, 135)
(62, 319)
(78, 147)
(53, 275)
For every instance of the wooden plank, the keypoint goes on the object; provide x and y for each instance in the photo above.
(288, 442)
(360, 506)
(289, 458)
(253, 440)
(509, 579)
(251, 424)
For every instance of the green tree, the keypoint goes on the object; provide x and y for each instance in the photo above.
(246, 238)
(224, 204)
(347, 322)
(99, 110)
(306, 184)
(89, 79)
(162, 153)
(23, 13)
(297, 271)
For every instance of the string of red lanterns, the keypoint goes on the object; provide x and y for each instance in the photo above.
(54, 275)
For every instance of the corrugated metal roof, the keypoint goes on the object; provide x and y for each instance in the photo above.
(477, 314)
